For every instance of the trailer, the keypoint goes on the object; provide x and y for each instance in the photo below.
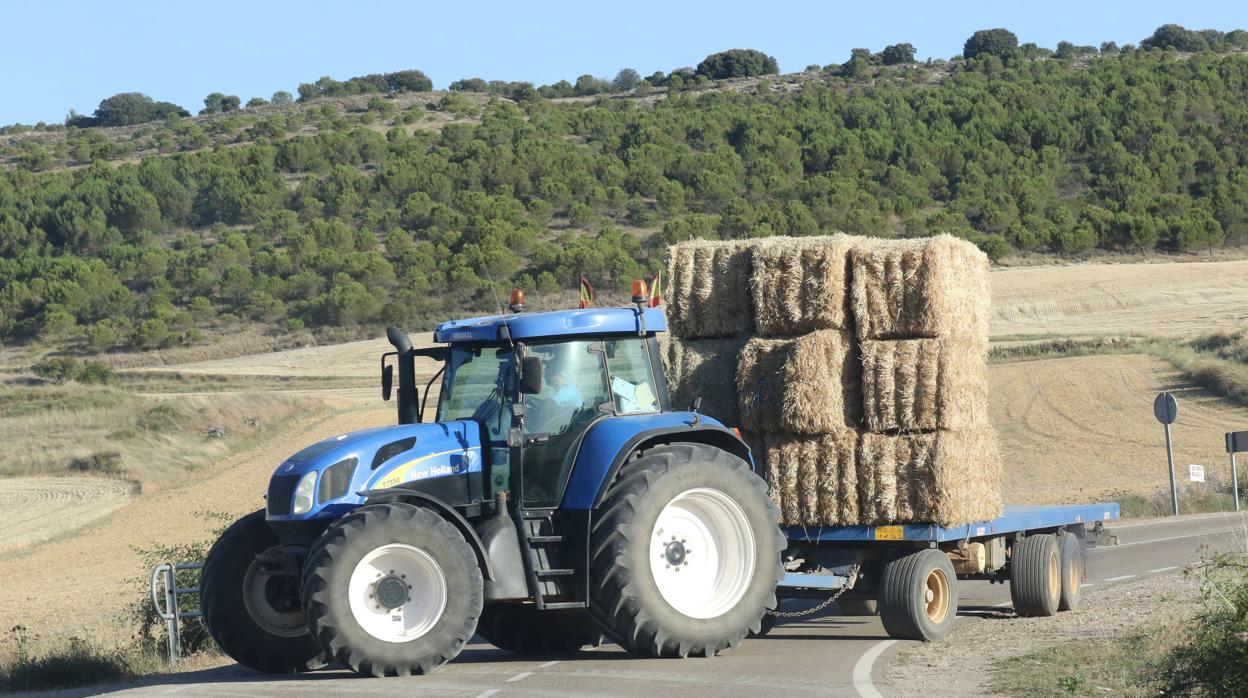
(909, 573)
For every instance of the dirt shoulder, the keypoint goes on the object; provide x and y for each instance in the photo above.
(971, 660)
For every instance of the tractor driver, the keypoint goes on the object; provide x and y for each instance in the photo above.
(566, 394)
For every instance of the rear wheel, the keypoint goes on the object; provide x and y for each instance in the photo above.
(254, 615)
(1036, 576)
(685, 553)
(918, 597)
(392, 590)
(523, 629)
(1074, 570)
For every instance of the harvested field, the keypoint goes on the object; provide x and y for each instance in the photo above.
(705, 368)
(930, 287)
(812, 478)
(924, 384)
(710, 289)
(37, 509)
(947, 477)
(799, 284)
(353, 359)
(807, 385)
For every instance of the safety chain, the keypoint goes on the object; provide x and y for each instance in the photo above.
(853, 572)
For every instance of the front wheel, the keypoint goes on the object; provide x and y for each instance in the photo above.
(392, 590)
(253, 615)
(686, 553)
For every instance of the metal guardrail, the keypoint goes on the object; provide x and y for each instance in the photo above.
(165, 585)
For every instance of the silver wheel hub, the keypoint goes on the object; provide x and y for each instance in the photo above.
(390, 592)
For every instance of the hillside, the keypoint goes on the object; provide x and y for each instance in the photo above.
(358, 211)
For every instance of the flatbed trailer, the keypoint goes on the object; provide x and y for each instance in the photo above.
(909, 573)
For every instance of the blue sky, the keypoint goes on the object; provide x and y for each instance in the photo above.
(58, 55)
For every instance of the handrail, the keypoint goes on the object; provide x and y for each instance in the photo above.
(164, 583)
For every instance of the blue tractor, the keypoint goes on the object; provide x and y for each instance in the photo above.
(558, 497)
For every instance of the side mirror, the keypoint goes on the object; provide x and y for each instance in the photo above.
(387, 381)
(531, 375)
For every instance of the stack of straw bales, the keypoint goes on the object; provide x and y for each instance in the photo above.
(856, 366)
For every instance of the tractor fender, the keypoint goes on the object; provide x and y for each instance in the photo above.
(703, 431)
(405, 494)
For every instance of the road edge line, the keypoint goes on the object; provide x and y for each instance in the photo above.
(862, 669)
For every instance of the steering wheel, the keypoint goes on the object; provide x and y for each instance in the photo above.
(540, 413)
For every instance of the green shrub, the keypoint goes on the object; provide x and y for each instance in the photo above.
(1214, 660)
(62, 369)
(100, 463)
(161, 418)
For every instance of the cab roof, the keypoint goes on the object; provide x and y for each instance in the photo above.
(588, 322)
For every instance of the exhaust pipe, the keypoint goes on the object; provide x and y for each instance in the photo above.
(408, 399)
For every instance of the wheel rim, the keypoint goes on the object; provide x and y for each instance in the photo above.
(397, 593)
(936, 596)
(1055, 575)
(259, 589)
(702, 553)
(1075, 573)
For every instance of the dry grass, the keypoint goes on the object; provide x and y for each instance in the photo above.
(705, 368)
(798, 284)
(814, 479)
(709, 293)
(924, 384)
(807, 385)
(948, 477)
(930, 287)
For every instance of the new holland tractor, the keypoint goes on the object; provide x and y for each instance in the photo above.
(556, 498)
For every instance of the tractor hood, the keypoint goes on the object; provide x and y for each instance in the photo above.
(324, 480)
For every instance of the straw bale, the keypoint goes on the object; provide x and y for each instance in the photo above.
(806, 385)
(950, 478)
(929, 287)
(924, 384)
(799, 284)
(704, 368)
(709, 293)
(813, 479)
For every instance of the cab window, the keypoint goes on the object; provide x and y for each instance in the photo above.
(632, 376)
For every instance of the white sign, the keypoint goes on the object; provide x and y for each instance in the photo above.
(1196, 472)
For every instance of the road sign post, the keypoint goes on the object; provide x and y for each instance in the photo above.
(1166, 409)
(1236, 442)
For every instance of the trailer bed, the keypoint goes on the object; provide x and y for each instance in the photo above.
(1017, 517)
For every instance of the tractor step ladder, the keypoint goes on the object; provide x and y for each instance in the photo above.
(540, 543)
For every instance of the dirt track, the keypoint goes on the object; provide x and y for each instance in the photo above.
(1078, 429)
(36, 509)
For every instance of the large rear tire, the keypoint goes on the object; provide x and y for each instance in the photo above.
(685, 553)
(918, 597)
(392, 590)
(523, 629)
(1035, 576)
(255, 617)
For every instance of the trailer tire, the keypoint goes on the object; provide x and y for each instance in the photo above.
(278, 642)
(918, 596)
(1074, 570)
(522, 629)
(669, 496)
(361, 564)
(1035, 576)
(859, 606)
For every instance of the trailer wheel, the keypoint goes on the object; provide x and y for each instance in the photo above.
(1036, 576)
(1074, 570)
(918, 597)
(523, 629)
(857, 606)
(253, 616)
(685, 553)
(392, 590)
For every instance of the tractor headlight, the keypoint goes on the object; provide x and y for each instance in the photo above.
(303, 493)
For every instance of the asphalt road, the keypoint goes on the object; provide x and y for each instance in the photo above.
(826, 655)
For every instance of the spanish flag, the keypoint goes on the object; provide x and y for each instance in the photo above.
(587, 293)
(656, 292)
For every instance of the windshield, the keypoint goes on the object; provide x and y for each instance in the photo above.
(476, 384)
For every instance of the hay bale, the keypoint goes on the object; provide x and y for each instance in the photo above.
(709, 292)
(807, 385)
(704, 368)
(924, 384)
(813, 479)
(950, 478)
(929, 287)
(798, 285)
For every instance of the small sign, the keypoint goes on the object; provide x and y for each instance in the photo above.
(888, 532)
(1166, 408)
(1196, 472)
